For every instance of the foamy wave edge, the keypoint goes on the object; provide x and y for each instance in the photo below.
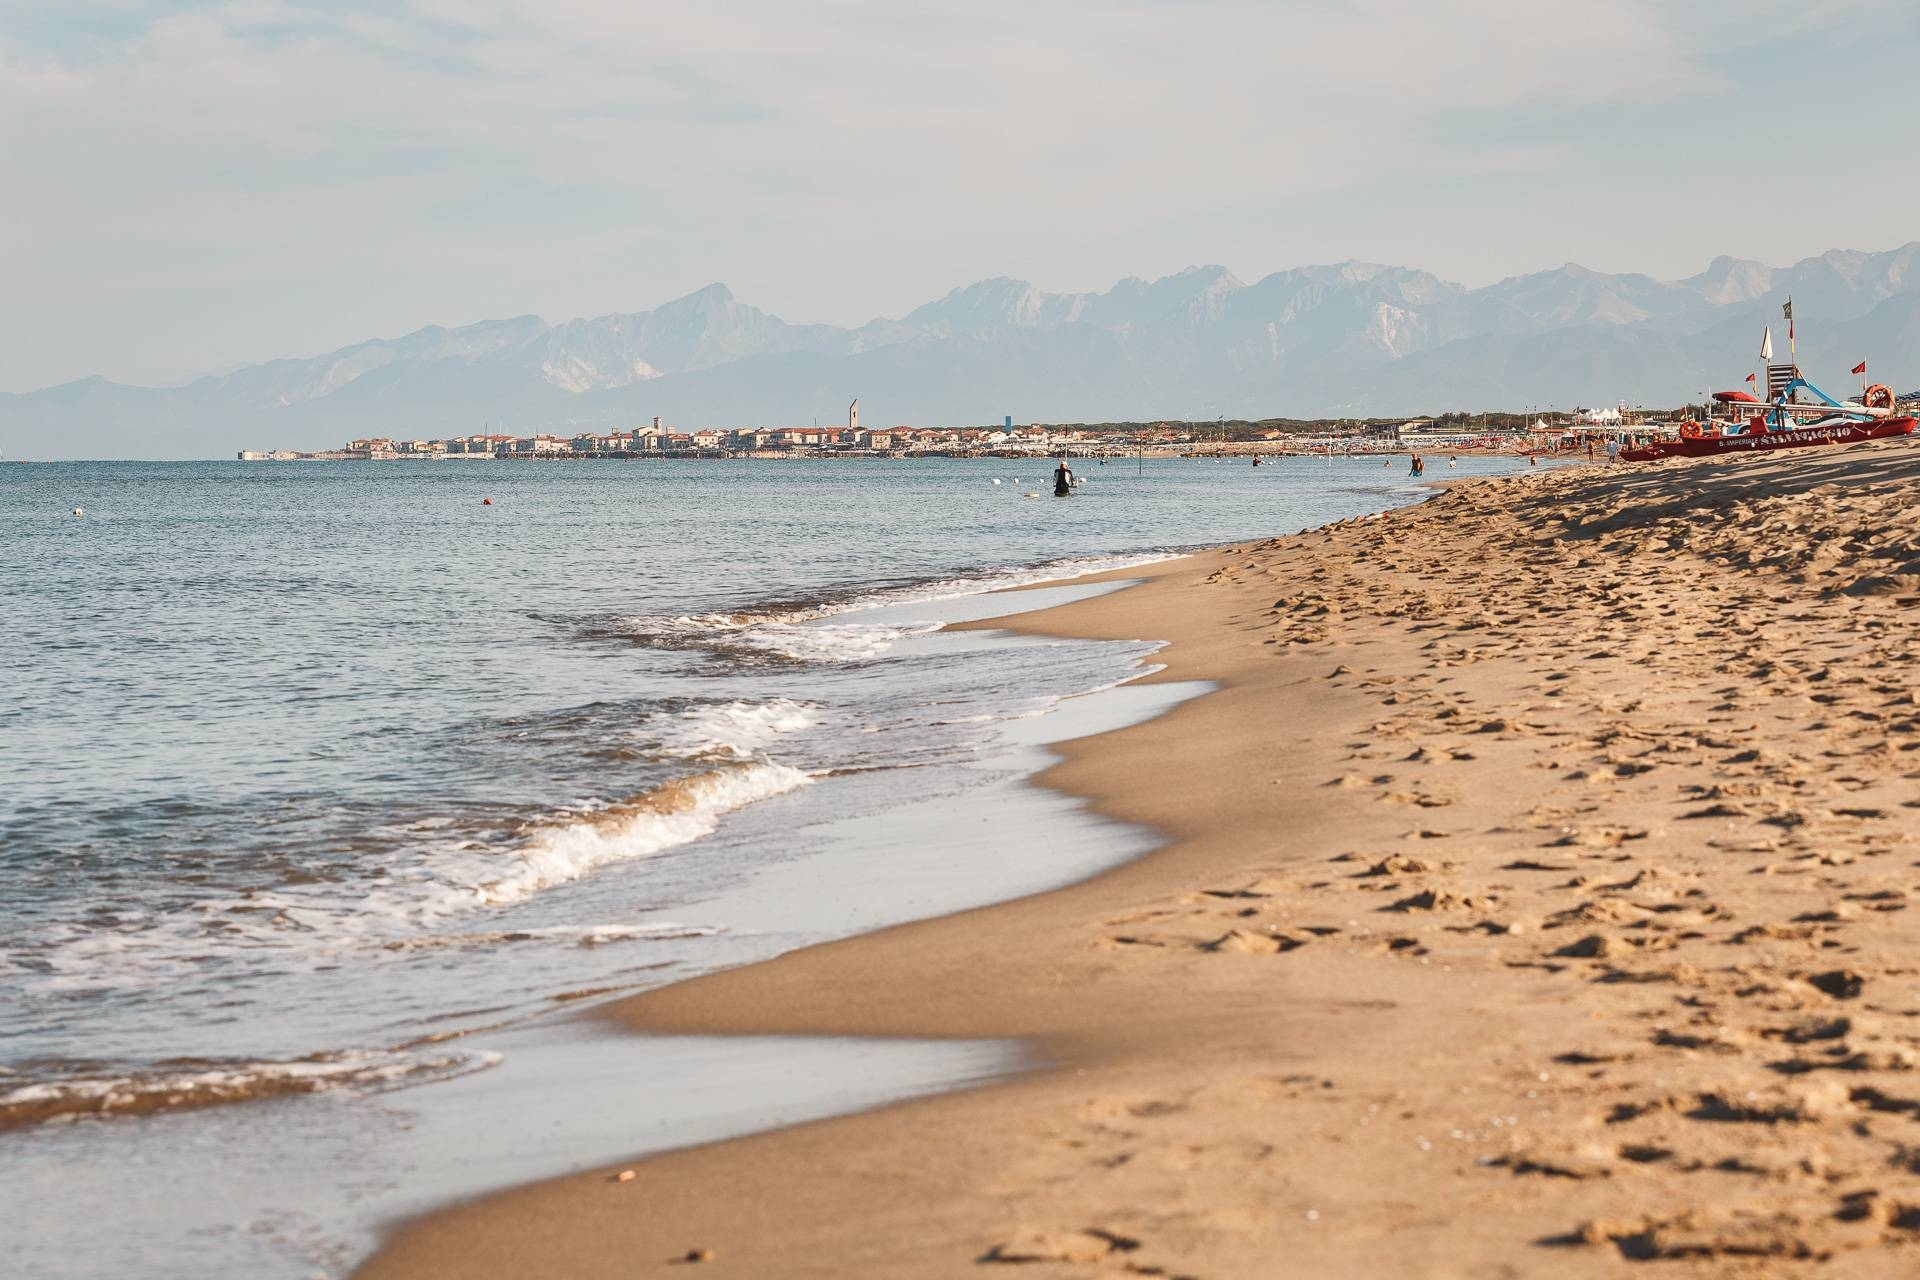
(194, 1085)
(676, 813)
(784, 633)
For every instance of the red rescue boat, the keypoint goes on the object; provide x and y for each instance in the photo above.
(1795, 414)
(1831, 431)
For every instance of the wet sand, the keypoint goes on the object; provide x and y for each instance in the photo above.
(1534, 901)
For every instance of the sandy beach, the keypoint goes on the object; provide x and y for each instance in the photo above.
(1533, 902)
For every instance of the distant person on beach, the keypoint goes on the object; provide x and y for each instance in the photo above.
(1062, 480)
(1613, 451)
(1589, 448)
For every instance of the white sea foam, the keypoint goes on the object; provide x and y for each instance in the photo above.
(432, 887)
(210, 1083)
(793, 635)
(798, 634)
(849, 642)
(661, 819)
(407, 907)
(589, 935)
(736, 730)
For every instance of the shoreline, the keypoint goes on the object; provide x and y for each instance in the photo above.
(1539, 947)
(352, 1182)
(708, 1011)
(691, 1095)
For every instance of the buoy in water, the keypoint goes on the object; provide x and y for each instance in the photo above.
(79, 511)
(996, 480)
(486, 502)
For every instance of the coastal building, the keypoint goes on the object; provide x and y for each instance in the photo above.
(803, 437)
(853, 417)
(1032, 440)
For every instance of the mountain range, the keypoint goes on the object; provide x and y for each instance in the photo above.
(1352, 339)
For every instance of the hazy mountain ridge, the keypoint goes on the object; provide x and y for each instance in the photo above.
(1351, 338)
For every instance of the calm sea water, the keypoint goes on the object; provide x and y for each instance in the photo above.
(306, 769)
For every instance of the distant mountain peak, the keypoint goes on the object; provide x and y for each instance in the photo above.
(1360, 269)
(1353, 337)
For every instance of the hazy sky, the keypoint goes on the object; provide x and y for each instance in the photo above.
(191, 186)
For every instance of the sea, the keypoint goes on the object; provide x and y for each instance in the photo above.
(335, 795)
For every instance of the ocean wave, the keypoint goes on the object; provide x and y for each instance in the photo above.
(674, 813)
(403, 904)
(189, 1084)
(793, 632)
(589, 935)
(736, 730)
(800, 642)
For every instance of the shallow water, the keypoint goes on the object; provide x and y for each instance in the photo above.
(322, 768)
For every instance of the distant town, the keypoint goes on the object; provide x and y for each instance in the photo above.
(658, 440)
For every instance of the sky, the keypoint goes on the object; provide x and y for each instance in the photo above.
(191, 187)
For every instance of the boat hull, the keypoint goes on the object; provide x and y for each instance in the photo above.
(1798, 438)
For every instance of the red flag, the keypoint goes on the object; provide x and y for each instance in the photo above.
(1861, 367)
(1749, 377)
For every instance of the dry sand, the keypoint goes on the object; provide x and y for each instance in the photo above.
(1535, 903)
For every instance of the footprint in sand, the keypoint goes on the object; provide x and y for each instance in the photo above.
(1415, 799)
(1090, 1245)
(1267, 942)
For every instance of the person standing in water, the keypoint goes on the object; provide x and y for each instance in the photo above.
(1419, 466)
(1063, 480)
